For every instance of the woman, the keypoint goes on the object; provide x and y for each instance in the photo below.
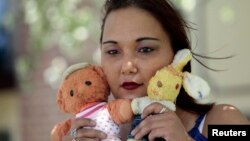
(139, 37)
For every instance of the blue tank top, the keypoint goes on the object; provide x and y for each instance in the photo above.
(195, 133)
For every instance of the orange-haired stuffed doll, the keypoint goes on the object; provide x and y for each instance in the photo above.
(84, 93)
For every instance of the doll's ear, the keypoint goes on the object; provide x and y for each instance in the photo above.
(196, 87)
(181, 58)
(99, 70)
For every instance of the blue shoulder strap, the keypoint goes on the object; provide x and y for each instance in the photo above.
(195, 133)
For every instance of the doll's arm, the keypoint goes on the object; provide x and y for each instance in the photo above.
(60, 130)
(120, 110)
(139, 104)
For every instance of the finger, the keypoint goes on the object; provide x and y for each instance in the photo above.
(150, 123)
(69, 138)
(154, 108)
(90, 133)
(80, 122)
(158, 133)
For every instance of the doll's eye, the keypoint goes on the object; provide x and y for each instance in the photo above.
(159, 84)
(71, 93)
(88, 83)
(177, 86)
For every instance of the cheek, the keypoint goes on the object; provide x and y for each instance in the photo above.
(108, 73)
(113, 83)
(113, 80)
(111, 71)
(111, 77)
(149, 70)
(157, 63)
(105, 66)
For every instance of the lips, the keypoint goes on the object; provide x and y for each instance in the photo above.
(130, 85)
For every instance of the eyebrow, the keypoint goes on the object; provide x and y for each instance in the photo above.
(137, 40)
(146, 38)
(109, 42)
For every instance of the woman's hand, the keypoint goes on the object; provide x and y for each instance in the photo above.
(159, 124)
(83, 133)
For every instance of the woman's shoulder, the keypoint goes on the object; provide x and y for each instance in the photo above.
(226, 114)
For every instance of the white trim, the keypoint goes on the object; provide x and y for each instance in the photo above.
(202, 124)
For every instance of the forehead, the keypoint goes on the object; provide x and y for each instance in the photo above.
(131, 22)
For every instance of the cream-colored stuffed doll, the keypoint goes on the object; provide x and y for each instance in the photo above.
(165, 85)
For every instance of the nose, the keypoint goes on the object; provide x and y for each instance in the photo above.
(129, 67)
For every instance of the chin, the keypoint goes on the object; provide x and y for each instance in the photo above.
(129, 95)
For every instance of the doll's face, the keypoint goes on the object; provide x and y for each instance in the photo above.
(165, 84)
(81, 87)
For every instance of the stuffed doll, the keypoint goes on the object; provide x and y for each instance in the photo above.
(165, 86)
(84, 93)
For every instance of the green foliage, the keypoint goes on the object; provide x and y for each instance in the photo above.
(66, 23)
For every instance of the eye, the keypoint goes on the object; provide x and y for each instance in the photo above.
(177, 86)
(88, 83)
(71, 93)
(112, 52)
(159, 84)
(145, 50)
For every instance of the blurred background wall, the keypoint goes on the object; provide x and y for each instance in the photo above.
(39, 39)
(222, 31)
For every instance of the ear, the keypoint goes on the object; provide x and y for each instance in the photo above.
(99, 70)
(196, 87)
(181, 58)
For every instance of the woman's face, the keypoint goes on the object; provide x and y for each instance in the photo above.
(133, 48)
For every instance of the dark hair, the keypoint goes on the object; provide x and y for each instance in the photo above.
(175, 26)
